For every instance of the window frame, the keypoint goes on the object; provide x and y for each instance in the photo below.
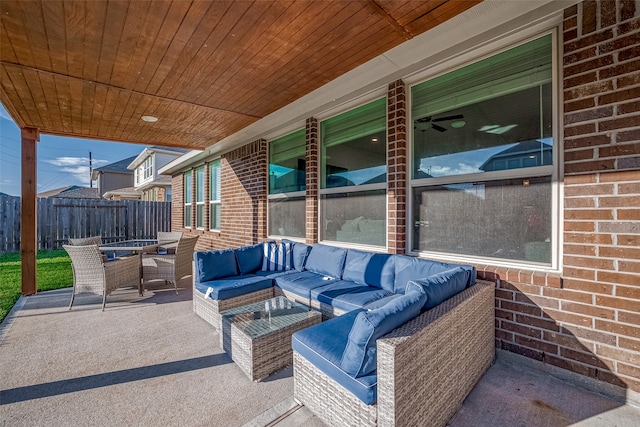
(554, 171)
(218, 201)
(284, 195)
(353, 188)
(187, 203)
(199, 195)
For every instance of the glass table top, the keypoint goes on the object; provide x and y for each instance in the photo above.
(265, 317)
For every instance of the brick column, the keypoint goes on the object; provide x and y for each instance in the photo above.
(397, 167)
(312, 180)
(177, 202)
(193, 198)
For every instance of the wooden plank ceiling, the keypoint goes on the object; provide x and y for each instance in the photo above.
(206, 69)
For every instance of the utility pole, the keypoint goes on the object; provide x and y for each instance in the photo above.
(90, 171)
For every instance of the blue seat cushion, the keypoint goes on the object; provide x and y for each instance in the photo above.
(229, 287)
(346, 295)
(326, 260)
(300, 253)
(301, 282)
(323, 345)
(250, 258)
(442, 286)
(371, 269)
(360, 354)
(273, 274)
(211, 265)
(410, 268)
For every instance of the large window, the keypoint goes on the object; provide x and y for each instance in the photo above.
(354, 176)
(214, 195)
(187, 199)
(483, 157)
(287, 185)
(200, 197)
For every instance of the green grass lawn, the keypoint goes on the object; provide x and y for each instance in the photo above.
(53, 270)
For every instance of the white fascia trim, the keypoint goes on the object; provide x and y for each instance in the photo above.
(488, 21)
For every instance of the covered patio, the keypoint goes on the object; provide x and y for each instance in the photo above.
(150, 361)
(225, 79)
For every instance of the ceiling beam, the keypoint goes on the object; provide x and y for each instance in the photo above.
(396, 25)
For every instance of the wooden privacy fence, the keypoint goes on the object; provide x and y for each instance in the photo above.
(59, 219)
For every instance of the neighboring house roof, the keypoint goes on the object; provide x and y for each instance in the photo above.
(521, 148)
(73, 192)
(126, 192)
(118, 167)
(150, 150)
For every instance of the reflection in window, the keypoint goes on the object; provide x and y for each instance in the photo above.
(287, 163)
(356, 217)
(214, 195)
(495, 115)
(492, 115)
(287, 216)
(508, 219)
(187, 199)
(286, 203)
(354, 147)
(354, 154)
(200, 197)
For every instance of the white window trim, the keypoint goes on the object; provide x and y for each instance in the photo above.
(187, 203)
(278, 196)
(367, 98)
(216, 202)
(555, 171)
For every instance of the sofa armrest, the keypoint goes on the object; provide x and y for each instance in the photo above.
(428, 366)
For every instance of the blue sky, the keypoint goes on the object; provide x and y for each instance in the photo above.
(62, 161)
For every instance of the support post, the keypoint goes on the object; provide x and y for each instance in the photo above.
(28, 212)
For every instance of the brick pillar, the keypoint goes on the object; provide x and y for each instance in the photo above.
(261, 184)
(397, 167)
(312, 180)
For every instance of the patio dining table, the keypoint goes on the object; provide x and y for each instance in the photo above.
(136, 247)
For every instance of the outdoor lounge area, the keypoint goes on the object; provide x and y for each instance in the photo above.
(458, 181)
(151, 361)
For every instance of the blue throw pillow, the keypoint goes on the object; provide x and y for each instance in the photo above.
(250, 258)
(326, 260)
(277, 257)
(442, 286)
(211, 265)
(360, 354)
(300, 251)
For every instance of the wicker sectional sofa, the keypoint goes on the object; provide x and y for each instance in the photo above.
(404, 341)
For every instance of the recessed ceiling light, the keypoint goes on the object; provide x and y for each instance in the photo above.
(374, 139)
(150, 119)
(458, 124)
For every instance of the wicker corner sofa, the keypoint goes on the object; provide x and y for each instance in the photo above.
(426, 365)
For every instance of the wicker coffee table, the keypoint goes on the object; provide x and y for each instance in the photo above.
(258, 336)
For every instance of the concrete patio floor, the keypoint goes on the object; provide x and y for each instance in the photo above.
(150, 361)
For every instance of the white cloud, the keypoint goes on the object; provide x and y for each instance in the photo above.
(78, 167)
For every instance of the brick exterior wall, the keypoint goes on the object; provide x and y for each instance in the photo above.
(396, 167)
(312, 180)
(243, 219)
(587, 319)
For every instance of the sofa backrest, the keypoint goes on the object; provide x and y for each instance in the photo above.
(369, 268)
(250, 258)
(326, 260)
(211, 265)
(410, 268)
